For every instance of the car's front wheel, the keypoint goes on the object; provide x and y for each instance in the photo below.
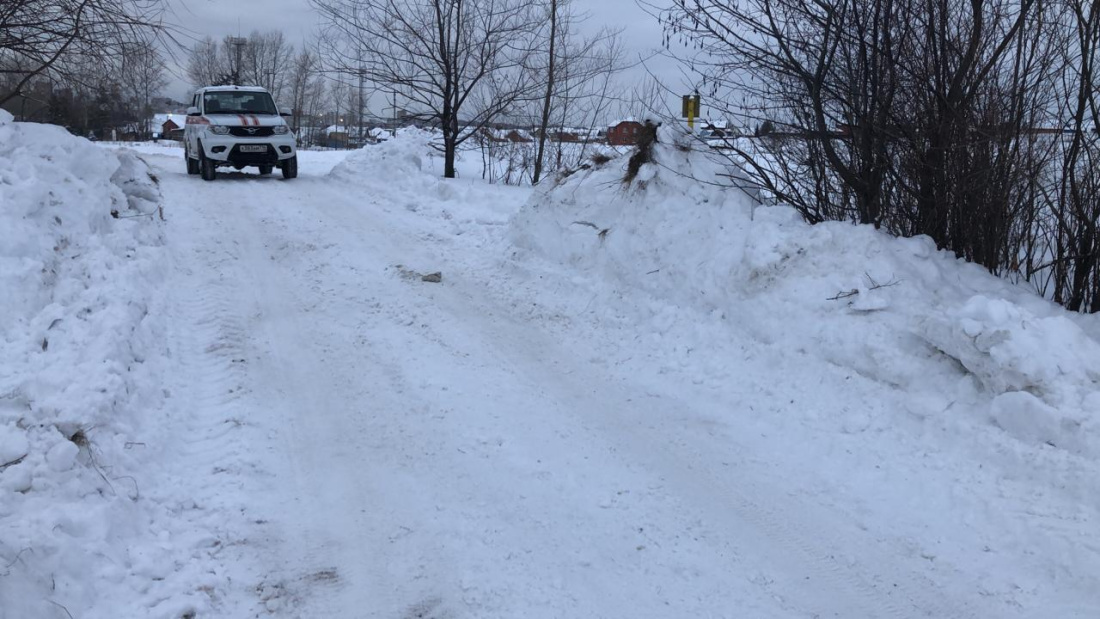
(207, 167)
(290, 167)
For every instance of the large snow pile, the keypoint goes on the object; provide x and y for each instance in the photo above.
(928, 400)
(408, 170)
(896, 311)
(400, 160)
(81, 362)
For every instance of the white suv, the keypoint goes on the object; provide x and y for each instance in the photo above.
(237, 126)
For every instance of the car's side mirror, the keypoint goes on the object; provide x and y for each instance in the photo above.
(193, 111)
(286, 111)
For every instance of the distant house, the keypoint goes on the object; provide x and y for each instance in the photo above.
(33, 105)
(378, 134)
(567, 135)
(127, 132)
(518, 136)
(624, 133)
(167, 125)
(492, 135)
(515, 136)
(715, 128)
(337, 136)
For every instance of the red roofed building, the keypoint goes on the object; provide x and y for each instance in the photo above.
(624, 133)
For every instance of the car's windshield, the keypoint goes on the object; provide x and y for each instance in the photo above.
(238, 102)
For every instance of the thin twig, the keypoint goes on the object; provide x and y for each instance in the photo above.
(13, 462)
(62, 608)
(18, 555)
(874, 286)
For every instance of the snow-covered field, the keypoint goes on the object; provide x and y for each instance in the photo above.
(643, 400)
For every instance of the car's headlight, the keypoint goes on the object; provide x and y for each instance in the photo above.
(219, 130)
(281, 130)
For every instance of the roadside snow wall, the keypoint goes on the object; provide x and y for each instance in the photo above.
(894, 310)
(405, 173)
(401, 160)
(81, 351)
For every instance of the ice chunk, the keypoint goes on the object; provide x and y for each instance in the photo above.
(62, 456)
(13, 444)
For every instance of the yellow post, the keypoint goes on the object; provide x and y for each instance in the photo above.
(690, 109)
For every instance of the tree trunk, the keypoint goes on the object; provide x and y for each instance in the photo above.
(448, 157)
(544, 124)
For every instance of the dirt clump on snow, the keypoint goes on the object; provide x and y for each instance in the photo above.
(643, 154)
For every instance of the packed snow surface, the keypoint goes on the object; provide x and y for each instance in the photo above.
(646, 399)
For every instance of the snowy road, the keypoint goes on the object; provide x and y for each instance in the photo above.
(379, 446)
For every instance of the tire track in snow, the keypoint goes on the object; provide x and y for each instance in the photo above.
(210, 345)
(750, 516)
(776, 533)
(315, 365)
(213, 333)
(296, 385)
(777, 530)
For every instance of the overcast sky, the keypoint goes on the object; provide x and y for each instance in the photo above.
(298, 22)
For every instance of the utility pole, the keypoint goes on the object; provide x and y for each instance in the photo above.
(359, 68)
(359, 112)
(238, 43)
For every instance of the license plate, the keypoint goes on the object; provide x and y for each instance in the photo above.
(261, 148)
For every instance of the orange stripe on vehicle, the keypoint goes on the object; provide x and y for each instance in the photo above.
(256, 121)
(240, 117)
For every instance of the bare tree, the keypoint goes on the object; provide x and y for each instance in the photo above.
(208, 65)
(301, 85)
(971, 122)
(142, 75)
(803, 71)
(353, 118)
(266, 61)
(315, 105)
(642, 100)
(1071, 251)
(554, 20)
(339, 93)
(459, 63)
(573, 72)
(913, 114)
(37, 36)
(263, 59)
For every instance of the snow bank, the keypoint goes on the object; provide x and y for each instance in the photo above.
(1043, 370)
(400, 160)
(405, 174)
(895, 311)
(80, 372)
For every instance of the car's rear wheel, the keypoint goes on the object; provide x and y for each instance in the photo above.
(207, 167)
(192, 165)
(290, 167)
(265, 170)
